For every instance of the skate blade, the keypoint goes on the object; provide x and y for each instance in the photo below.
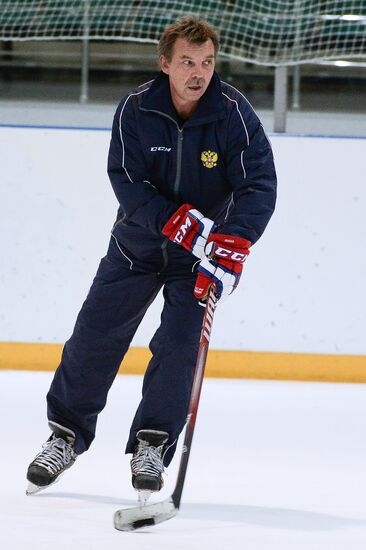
(33, 489)
(143, 497)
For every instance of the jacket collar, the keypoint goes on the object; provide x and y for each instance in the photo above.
(210, 106)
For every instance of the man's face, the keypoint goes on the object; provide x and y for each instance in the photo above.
(190, 71)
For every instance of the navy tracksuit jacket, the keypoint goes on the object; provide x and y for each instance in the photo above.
(219, 160)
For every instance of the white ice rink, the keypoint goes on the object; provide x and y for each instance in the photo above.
(274, 465)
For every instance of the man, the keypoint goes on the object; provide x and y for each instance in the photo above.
(193, 172)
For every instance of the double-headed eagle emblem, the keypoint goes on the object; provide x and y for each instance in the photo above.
(209, 158)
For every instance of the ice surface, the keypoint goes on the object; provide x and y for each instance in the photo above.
(274, 466)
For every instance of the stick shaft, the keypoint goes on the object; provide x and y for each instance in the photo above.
(195, 394)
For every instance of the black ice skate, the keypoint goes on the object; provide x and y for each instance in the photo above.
(57, 455)
(147, 462)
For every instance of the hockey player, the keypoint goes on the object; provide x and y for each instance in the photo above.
(193, 173)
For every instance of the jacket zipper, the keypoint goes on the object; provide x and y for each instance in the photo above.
(165, 253)
(179, 162)
(177, 177)
(179, 149)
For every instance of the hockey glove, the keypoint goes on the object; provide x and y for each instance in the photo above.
(189, 228)
(222, 265)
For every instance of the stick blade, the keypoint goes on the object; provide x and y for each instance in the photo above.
(129, 519)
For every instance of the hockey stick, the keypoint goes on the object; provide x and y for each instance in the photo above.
(129, 519)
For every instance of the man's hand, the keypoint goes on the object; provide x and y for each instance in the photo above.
(222, 265)
(189, 228)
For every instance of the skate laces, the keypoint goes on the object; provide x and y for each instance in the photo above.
(56, 454)
(148, 460)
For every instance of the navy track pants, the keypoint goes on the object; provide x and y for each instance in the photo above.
(116, 303)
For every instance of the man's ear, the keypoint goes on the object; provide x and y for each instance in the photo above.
(164, 65)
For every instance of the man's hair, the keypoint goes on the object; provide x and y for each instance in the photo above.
(191, 28)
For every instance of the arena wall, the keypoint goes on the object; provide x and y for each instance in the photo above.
(299, 311)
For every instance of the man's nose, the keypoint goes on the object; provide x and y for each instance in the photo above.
(197, 72)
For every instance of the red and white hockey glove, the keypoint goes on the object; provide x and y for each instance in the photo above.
(189, 228)
(222, 265)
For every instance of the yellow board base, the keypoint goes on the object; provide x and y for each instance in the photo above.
(220, 363)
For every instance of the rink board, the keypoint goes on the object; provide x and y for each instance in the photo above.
(298, 313)
(221, 363)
